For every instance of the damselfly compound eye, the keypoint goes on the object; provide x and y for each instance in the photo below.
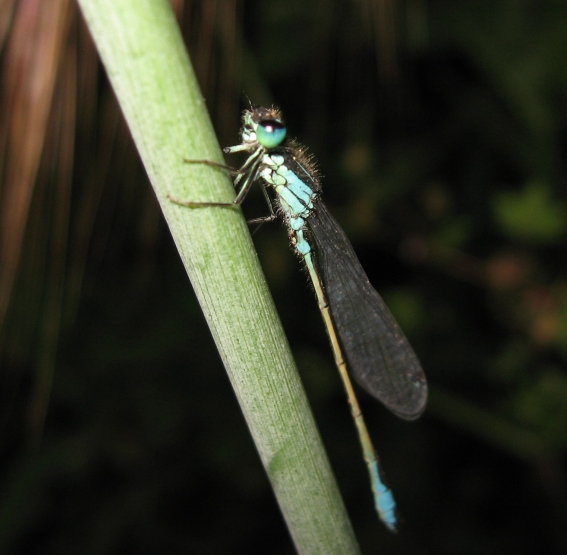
(270, 133)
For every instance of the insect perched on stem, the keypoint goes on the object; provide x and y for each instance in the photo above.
(357, 320)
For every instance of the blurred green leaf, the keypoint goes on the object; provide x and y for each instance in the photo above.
(561, 339)
(531, 214)
(454, 232)
(407, 307)
(543, 405)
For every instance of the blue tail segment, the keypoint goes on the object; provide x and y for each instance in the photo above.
(384, 499)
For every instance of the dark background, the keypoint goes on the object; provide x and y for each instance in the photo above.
(441, 130)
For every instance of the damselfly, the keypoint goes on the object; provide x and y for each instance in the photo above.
(357, 320)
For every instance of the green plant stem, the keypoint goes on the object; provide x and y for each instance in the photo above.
(144, 56)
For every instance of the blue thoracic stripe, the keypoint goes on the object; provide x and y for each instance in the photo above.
(295, 195)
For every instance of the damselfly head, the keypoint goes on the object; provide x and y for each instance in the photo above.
(263, 127)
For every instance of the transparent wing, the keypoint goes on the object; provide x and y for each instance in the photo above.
(377, 352)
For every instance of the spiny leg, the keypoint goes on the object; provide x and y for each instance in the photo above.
(249, 170)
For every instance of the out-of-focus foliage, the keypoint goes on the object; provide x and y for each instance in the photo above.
(531, 214)
(441, 131)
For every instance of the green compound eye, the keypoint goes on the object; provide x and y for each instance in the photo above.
(270, 133)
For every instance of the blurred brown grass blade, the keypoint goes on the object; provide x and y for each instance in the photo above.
(211, 31)
(230, 60)
(33, 51)
(382, 17)
(63, 141)
(6, 13)
(59, 160)
(385, 25)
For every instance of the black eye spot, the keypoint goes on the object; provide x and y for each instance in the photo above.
(271, 125)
